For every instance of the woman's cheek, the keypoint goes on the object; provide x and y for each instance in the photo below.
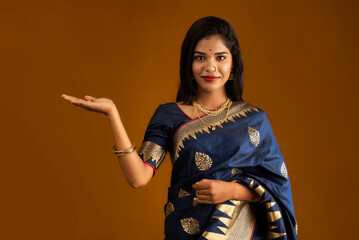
(227, 69)
(196, 68)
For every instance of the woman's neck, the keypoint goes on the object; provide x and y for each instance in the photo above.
(211, 100)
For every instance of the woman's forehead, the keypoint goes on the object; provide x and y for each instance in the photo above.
(214, 43)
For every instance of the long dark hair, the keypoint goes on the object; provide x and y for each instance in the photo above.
(202, 28)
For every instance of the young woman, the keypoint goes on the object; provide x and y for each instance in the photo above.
(229, 179)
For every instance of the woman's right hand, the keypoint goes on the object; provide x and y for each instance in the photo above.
(100, 105)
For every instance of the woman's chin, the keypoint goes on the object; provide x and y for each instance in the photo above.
(210, 89)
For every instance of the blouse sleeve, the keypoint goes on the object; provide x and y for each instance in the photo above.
(157, 138)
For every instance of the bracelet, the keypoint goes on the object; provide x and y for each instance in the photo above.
(122, 152)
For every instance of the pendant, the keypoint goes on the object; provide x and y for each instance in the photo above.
(213, 127)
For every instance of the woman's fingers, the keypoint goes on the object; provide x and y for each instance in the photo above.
(78, 100)
(70, 98)
(203, 197)
(89, 98)
(204, 200)
(90, 103)
(212, 191)
(203, 184)
(85, 104)
(67, 97)
(203, 192)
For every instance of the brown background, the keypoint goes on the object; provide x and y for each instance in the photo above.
(59, 177)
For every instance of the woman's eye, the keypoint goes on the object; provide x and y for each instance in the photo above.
(198, 58)
(221, 57)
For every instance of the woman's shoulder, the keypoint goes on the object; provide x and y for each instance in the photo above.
(173, 105)
(171, 111)
(246, 108)
(165, 107)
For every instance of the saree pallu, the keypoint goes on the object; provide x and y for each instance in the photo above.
(240, 149)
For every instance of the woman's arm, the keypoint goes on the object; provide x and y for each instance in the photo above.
(218, 191)
(136, 172)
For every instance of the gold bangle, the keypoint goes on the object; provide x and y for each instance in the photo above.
(122, 152)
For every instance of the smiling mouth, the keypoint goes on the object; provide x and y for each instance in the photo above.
(210, 78)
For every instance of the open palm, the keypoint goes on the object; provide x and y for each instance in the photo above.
(100, 105)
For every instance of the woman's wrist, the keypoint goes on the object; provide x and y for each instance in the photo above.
(235, 191)
(242, 192)
(112, 112)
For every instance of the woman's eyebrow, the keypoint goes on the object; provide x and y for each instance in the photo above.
(218, 53)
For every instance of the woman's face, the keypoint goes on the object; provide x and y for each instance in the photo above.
(212, 63)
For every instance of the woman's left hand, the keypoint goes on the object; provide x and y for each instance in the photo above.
(212, 191)
(217, 191)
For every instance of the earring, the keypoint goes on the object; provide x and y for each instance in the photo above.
(231, 76)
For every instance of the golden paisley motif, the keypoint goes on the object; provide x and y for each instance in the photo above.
(203, 161)
(190, 225)
(183, 193)
(236, 171)
(169, 208)
(284, 171)
(254, 136)
(296, 229)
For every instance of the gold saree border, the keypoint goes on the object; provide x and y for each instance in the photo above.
(272, 215)
(152, 150)
(239, 215)
(243, 226)
(195, 126)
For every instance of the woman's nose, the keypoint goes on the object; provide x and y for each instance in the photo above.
(210, 66)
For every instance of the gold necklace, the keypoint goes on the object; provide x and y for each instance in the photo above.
(209, 111)
(213, 125)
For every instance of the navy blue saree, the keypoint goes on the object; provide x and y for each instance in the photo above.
(240, 149)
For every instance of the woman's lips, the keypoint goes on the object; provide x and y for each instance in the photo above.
(210, 78)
